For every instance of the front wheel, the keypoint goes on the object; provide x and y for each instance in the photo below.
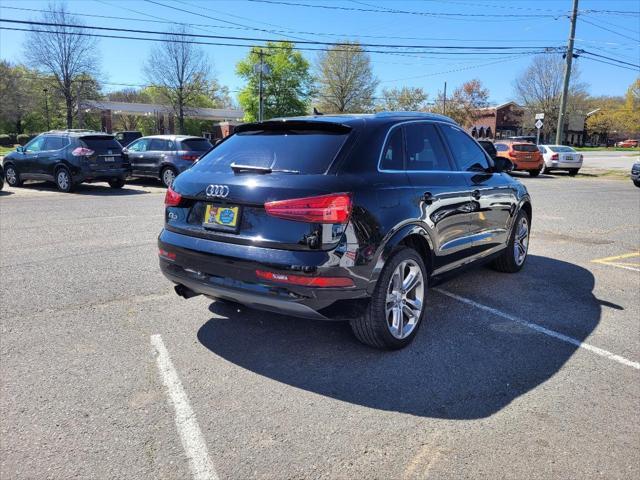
(573, 172)
(396, 308)
(514, 256)
(168, 175)
(63, 180)
(118, 183)
(12, 177)
(636, 183)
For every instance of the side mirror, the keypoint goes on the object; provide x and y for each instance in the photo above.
(502, 165)
(20, 149)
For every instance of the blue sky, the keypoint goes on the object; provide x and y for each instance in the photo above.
(614, 35)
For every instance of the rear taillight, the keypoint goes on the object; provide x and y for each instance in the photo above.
(165, 254)
(334, 208)
(172, 198)
(190, 158)
(555, 156)
(82, 152)
(321, 282)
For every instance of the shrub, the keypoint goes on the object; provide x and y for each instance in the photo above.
(23, 138)
(6, 140)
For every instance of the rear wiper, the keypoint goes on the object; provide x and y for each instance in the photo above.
(256, 169)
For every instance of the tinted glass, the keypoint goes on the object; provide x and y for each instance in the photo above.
(139, 146)
(101, 143)
(488, 147)
(392, 155)
(501, 147)
(561, 149)
(525, 147)
(196, 145)
(55, 143)
(424, 148)
(467, 153)
(35, 145)
(159, 144)
(306, 151)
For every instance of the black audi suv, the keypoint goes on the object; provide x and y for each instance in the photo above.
(341, 217)
(68, 157)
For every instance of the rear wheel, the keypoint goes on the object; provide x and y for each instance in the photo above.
(63, 180)
(535, 173)
(636, 183)
(12, 177)
(168, 175)
(119, 183)
(514, 256)
(573, 172)
(396, 308)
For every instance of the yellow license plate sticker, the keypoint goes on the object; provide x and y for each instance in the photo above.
(225, 216)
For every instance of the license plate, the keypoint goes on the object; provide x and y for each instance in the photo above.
(224, 217)
(109, 159)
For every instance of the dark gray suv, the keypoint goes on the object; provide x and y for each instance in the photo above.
(68, 157)
(165, 156)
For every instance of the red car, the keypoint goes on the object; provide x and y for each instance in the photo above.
(628, 143)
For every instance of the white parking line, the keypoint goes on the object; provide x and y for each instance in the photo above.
(546, 331)
(190, 434)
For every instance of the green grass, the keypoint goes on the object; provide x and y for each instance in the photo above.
(5, 150)
(607, 149)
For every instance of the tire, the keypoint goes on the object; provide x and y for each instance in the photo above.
(63, 180)
(546, 170)
(12, 176)
(379, 326)
(573, 172)
(168, 175)
(535, 173)
(511, 261)
(119, 183)
(636, 183)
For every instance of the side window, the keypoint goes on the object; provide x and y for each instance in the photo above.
(55, 143)
(139, 146)
(170, 145)
(542, 149)
(35, 145)
(468, 154)
(501, 147)
(158, 145)
(392, 158)
(424, 148)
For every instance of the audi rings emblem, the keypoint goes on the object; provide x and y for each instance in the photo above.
(217, 191)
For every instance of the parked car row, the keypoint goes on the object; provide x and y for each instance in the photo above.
(70, 157)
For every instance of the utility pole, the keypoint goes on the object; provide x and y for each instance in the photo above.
(46, 107)
(444, 100)
(260, 93)
(567, 75)
(80, 109)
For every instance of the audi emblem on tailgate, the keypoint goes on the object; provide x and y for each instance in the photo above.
(217, 191)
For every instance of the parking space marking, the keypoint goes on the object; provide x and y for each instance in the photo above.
(186, 422)
(541, 329)
(622, 261)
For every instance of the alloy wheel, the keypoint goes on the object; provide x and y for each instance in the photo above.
(63, 179)
(521, 241)
(168, 176)
(11, 176)
(405, 299)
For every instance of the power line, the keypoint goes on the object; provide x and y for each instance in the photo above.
(175, 36)
(609, 30)
(610, 63)
(609, 58)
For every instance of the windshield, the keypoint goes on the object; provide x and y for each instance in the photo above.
(561, 149)
(306, 151)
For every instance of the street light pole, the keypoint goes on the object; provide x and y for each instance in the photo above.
(567, 75)
(260, 94)
(46, 107)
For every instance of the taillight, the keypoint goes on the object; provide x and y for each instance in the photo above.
(190, 158)
(555, 156)
(165, 254)
(82, 152)
(172, 198)
(321, 282)
(333, 208)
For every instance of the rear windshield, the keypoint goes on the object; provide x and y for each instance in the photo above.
(525, 147)
(101, 143)
(306, 151)
(561, 149)
(196, 145)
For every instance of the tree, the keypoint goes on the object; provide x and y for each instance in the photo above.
(404, 99)
(538, 89)
(179, 71)
(287, 83)
(345, 79)
(464, 103)
(632, 108)
(63, 52)
(16, 98)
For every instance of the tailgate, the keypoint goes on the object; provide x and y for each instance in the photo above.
(107, 152)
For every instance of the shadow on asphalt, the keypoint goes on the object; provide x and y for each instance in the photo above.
(5, 193)
(98, 189)
(465, 363)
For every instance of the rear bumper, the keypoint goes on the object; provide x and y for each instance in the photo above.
(562, 165)
(228, 272)
(528, 165)
(87, 174)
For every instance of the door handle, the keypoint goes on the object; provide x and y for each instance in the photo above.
(428, 198)
(476, 194)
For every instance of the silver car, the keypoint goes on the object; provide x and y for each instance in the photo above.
(635, 174)
(560, 157)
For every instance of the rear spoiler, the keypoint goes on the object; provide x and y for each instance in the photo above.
(284, 125)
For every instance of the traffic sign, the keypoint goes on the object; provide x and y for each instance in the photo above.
(539, 124)
(539, 116)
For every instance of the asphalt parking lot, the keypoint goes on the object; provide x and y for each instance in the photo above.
(106, 373)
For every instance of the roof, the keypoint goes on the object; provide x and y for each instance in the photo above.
(147, 109)
(353, 119)
(502, 105)
(173, 137)
(76, 132)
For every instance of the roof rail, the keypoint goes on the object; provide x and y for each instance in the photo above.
(71, 130)
(425, 115)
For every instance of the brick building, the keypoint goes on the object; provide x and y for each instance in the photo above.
(497, 122)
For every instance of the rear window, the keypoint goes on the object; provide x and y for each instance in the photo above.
(196, 145)
(525, 147)
(101, 143)
(501, 147)
(306, 151)
(561, 149)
